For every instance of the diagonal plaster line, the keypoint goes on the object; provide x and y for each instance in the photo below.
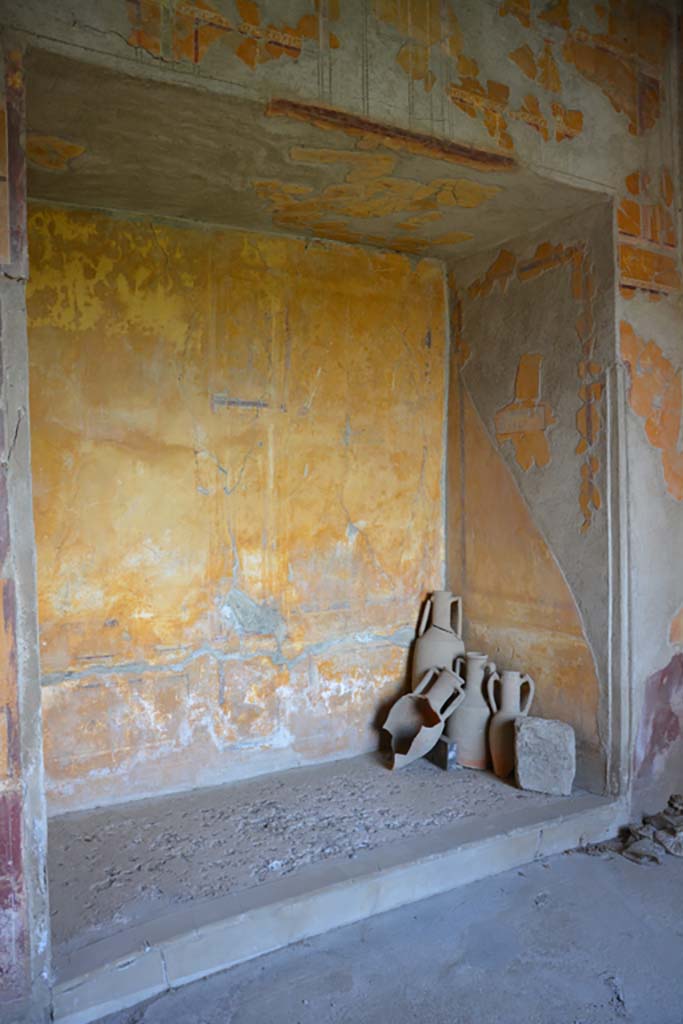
(570, 589)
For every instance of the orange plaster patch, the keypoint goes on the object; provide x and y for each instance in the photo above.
(628, 217)
(667, 187)
(499, 272)
(196, 25)
(676, 630)
(145, 20)
(530, 113)
(556, 13)
(613, 76)
(668, 227)
(50, 152)
(525, 420)
(520, 9)
(369, 191)
(453, 238)
(547, 257)
(652, 223)
(626, 62)
(489, 103)
(524, 58)
(646, 220)
(568, 123)
(656, 395)
(492, 103)
(414, 60)
(548, 71)
(423, 24)
(633, 183)
(647, 268)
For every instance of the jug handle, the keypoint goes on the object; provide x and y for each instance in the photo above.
(460, 660)
(425, 616)
(532, 690)
(458, 601)
(459, 697)
(426, 679)
(490, 694)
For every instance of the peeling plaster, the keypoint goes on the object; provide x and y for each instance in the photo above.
(285, 531)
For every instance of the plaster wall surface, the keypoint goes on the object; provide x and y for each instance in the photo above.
(533, 331)
(652, 350)
(237, 458)
(546, 83)
(573, 91)
(24, 913)
(570, 90)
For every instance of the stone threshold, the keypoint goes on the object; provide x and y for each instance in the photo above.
(204, 937)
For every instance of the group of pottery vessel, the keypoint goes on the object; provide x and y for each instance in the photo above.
(459, 694)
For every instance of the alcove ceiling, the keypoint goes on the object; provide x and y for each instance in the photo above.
(97, 138)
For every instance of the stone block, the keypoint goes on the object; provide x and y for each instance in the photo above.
(545, 755)
(444, 754)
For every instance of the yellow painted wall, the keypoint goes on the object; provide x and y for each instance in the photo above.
(518, 606)
(237, 458)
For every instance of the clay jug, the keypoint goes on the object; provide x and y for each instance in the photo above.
(440, 644)
(469, 725)
(502, 727)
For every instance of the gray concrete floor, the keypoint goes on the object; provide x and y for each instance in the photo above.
(572, 940)
(115, 867)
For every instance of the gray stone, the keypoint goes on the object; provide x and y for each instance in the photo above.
(545, 755)
(444, 754)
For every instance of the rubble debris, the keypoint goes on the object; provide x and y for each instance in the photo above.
(648, 842)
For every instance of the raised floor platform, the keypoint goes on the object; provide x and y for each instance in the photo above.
(150, 895)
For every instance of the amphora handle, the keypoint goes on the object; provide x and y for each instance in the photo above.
(532, 690)
(425, 616)
(490, 692)
(455, 702)
(458, 601)
(426, 680)
(455, 698)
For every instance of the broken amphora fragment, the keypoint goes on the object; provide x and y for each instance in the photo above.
(416, 720)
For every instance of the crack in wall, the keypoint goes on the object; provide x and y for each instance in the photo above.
(401, 638)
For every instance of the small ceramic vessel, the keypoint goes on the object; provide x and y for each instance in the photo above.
(468, 727)
(502, 726)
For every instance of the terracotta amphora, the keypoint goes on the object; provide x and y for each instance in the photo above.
(468, 727)
(416, 720)
(502, 727)
(440, 644)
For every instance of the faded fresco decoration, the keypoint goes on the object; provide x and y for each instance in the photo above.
(281, 492)
(414, 126)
